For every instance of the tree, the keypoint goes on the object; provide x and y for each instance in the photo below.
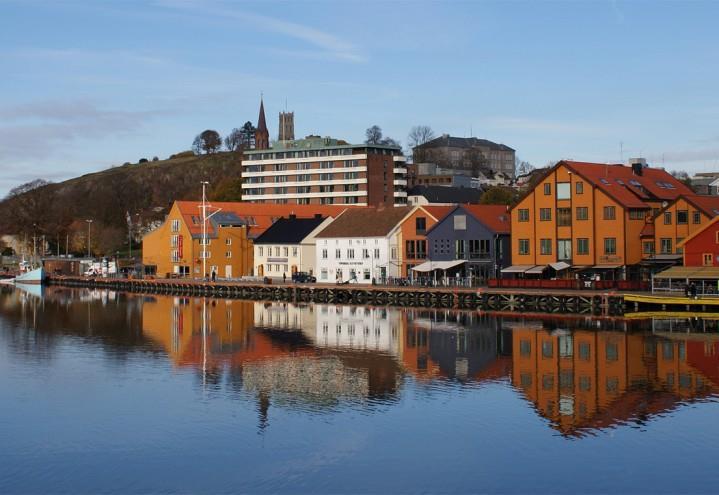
(27, 187)
(499, 195)
(228, 189)
(683, 177)
(234, 140)
(207, 141)
(373, 135)
(521, 167)
(419, 135)
(388, 141)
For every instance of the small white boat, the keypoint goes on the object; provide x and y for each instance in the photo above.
(7, 281)
(36, 276)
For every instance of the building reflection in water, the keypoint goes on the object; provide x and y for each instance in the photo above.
(580, 374)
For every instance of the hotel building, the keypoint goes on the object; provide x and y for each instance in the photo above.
(325, 171)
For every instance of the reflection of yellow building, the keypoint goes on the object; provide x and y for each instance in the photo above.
(592, 379)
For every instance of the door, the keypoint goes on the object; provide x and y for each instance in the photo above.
(228, 271)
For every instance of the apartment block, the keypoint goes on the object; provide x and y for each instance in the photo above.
(325, 171)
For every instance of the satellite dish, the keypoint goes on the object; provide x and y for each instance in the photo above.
(664, 204)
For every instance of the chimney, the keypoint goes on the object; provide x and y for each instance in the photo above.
(637, 165)
(293, 216)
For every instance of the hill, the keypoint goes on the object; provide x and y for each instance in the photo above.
(145, 190)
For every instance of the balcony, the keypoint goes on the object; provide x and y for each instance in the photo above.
(400, 182)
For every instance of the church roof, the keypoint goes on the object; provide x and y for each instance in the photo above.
(261, 123)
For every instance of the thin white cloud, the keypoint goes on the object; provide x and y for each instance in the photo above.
(541, 125)
(686, 156)
(329, 45)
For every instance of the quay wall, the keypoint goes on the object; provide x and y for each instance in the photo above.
(518, 301)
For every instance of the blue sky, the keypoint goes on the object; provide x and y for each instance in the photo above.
(89, 84)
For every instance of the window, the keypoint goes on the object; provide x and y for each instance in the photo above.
(610, 245)
(547, 189)
(523, 246)
(545, 246)
(393, 253)
(366, 274)
(261, 251)
(545, 214)
(564, 249)
(667, 218)
(350, 254)
(682, 217)
(584, 350)
(547, 349)
(610, 212)
(174, 240)
(351, 175)
(285, 251)
(582, 213)
(707, 259)
(338, 253)
(717, 237)
(376, 253)
(523, 214)
(421, 249)
(460, 222)
(175, 225)
(421, 225)
(666, 245)
(696, 217)
(612, 351)
(648, 247)
(635, 214)
(582, 245)
(459, 249)
(525, 348)
(325, 177)
(478, 248)
(228, 254)
(323, 274)
(228, 241)
(280, 178)
(324, 254)
(294, 251)
(327, 201)
(564, 190)
(564, 217)
(409, 249)
(579, 187)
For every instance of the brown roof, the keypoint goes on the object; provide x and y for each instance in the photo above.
(709, 205)
(496, 217)
(259, 217)
(366, 222)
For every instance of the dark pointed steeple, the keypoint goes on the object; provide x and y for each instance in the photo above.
(262, 135)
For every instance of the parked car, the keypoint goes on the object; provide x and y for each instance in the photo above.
(303, 278)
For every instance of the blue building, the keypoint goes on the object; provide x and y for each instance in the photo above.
(471, 241)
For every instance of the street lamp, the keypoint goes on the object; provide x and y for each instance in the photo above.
(89, 223)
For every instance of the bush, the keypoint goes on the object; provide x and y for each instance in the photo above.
(182, 154)
(142, 160)
(155, 159)
(126, 164)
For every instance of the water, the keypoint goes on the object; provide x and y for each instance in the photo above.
(119, 393)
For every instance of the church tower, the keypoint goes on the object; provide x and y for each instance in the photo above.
(287, 126)
(262, 135)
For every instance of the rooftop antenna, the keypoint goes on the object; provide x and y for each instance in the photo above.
(621, 151)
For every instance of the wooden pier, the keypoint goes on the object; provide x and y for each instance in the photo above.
(520, 301)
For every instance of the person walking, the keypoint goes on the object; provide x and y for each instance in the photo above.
(284, 277)
(214, 275)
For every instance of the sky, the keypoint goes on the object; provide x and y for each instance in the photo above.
(86, 85)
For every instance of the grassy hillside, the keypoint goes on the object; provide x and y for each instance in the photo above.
(106, 196)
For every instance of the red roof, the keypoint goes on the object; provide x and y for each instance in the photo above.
(496, 217)
(627, 188)
(438, 212)
(258, 216)
(709, 205)
(647, 230)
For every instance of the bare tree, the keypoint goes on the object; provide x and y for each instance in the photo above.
(388, 141)
(521, 167)
(373, 135)
(208, 141)
(419, 134)
(27, 187)
(233, 141)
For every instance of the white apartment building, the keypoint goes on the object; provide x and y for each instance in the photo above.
(319, 170)
(360, 245)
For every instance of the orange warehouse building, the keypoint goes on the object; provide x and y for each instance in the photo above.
(175, 247)
(588, 217)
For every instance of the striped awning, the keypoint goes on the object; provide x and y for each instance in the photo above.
(517, 268)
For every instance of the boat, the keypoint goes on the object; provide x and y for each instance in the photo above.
(31, 276)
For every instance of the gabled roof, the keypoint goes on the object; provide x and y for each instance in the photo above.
(290, 230)
(709, 205)
(258, 217)
(438, 212)
(366, 222)
(699, 232)
(495, 217)
(461, 142)
(445, 194)
(627, 188)
(647, 230)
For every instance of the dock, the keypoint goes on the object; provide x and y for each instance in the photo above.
(591, 303)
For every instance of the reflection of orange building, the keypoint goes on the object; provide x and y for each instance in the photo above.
(590, 379)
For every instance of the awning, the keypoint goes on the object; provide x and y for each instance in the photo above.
(662, 259)
(560, 265)
(690, 272)
(517, 268)
(536, 270)
(429, 266)
(606, 267)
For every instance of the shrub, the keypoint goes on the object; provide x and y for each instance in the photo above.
(155, 159)
(142, 160)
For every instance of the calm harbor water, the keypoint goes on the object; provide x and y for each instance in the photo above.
(120, 393)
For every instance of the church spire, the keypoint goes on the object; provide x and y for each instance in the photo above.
(262, 135)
